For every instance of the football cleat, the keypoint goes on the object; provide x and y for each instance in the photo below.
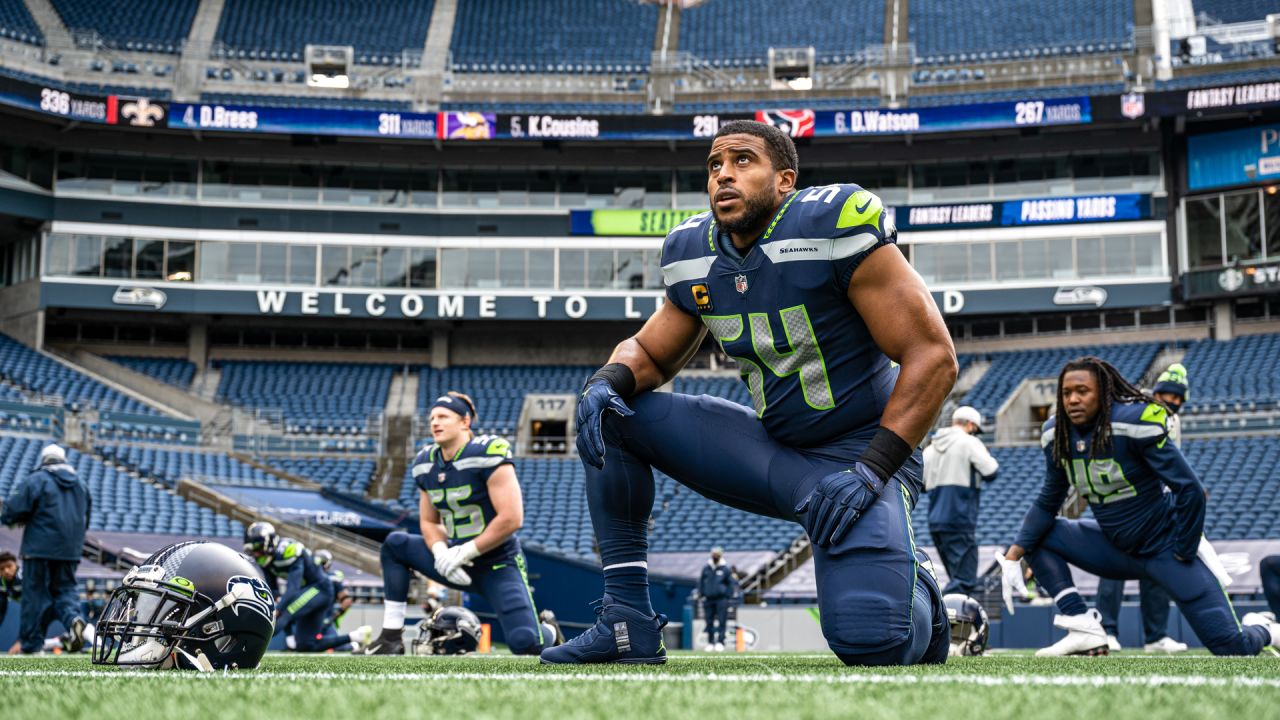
(1085, 636)
(620, 635)
(719, 647)
(1165, 645)
(548, 620)
(73, 638)
(361, 637)
(711, 647)
(1113, 643)
(388, 642)
(1267, 620)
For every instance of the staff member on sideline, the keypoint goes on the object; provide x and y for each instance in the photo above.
(955, 465)
(716, 588)
(10, 588)
(54, 505)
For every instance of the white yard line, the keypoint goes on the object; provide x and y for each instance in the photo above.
(552, 677)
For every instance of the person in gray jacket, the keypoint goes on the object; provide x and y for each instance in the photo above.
(955, 465)
(54, 505)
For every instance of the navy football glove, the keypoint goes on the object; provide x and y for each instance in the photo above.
(597, 397)
(836, 503)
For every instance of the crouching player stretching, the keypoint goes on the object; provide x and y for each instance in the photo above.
(1111, 441)
(470, 508)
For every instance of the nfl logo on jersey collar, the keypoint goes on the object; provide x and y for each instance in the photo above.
(440, 478)
(1080, 446)
(740, 284)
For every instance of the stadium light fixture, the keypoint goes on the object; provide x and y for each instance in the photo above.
(330, 81)
(800, 83)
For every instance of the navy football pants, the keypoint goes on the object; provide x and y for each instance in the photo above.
(1269, 569)
(307, 613)
(878, 600)
(1154, 603)
(49, 593)
(716, 612)
(505, 585)
(959, 551)
(1193, 586)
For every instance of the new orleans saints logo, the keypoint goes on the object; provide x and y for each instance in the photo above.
(141, 113)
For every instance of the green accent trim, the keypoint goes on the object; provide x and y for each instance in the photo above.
(816, 614)
(182, 585)
(431, 454)
(292, 550)
(911, 548)
(1155, 413)
(498, 447)
(303, 599)
(851, 216)
(781, 211)
(711, 236)
(524, 576)
(499, 566)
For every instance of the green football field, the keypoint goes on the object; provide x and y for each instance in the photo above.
(690, 686)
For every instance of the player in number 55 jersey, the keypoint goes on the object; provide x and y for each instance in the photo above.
(470, 509)
(808, 292)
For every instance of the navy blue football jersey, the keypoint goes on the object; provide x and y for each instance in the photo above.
(1125, 490)
(458, 487)
(783, 313)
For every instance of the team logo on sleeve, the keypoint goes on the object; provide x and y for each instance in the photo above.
(702, 298)
(740, 284)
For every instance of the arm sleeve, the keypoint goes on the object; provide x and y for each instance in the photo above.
(982, 460)
(17, 509)
(295, 583)
(1166, 460)
(1044, 508)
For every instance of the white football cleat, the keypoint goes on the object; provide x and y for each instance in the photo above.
(1113, 643)
(1267, 620)
(361, 637)
(1085, 636)
(719, 647)
(709, 648)
(1166, 645)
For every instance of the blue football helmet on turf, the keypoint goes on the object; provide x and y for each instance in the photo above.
(969, 626)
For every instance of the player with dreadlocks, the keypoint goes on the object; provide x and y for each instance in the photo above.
(1110, 440)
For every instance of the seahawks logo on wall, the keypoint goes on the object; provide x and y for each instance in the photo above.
(259, 601)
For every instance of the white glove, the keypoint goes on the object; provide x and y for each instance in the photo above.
(1209, 557)
(448, 565)
(1011, 580)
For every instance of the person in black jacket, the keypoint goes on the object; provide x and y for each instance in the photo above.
(716, 588)
(54, 505)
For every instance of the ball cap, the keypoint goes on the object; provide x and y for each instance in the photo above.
(51, 453)
(964, 413)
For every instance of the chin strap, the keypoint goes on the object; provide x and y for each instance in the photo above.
(199, 661)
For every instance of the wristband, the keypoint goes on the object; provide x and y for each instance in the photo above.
(885, 453)
(619, 377)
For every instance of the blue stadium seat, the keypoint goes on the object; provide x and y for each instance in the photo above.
(744, 30)
(36, 373)
(378, 31)
(343, 475)
(120, 503)
(313, 398)
(136, 25)
(553, 35)
(964, 28)
(174, 371)
(16, 23)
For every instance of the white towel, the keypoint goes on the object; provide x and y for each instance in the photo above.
(1209, 556)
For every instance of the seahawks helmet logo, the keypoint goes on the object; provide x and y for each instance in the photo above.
(259, 601)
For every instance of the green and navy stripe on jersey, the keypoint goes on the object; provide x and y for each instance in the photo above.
(458, 487)
(814, 373)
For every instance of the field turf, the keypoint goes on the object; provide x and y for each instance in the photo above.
(690, 686)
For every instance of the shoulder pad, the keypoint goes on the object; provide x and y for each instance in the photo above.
(690, 239)
(497, 446)
(291, 549)
(1155, 413)
(837, 210)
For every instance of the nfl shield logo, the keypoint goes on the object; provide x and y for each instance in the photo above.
(740, 283)
(1079, 448)
(440, 478)
(1132, 105)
